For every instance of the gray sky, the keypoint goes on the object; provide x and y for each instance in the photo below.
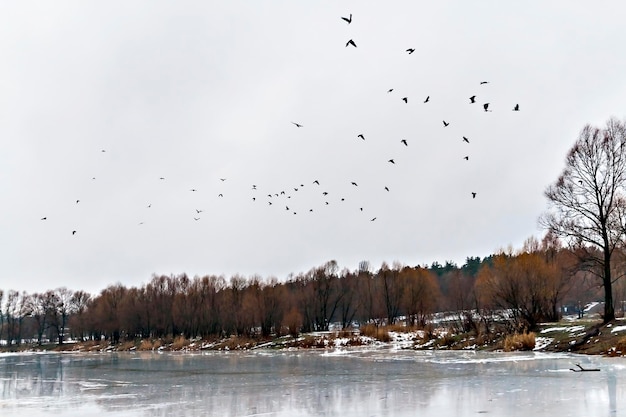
(195, 91)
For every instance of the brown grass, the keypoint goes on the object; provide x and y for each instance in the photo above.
(180, 342)
(376, 332)
(519, 341)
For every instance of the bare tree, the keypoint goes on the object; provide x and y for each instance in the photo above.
(587, 199)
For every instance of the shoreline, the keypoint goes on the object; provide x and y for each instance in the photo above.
(585, 336)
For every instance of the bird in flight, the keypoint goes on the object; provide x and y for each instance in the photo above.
(473, 195)
(465, 139)
(373, 219)
(161, 178)
(325, 193)
(149, 205)
(348, 19)
(516, 108)
(445, 124)
(387, 188)
(486, 106)
(222, 179)
(297, 125)
(404, 142)
(427, 99)
(390, 90)
(354, 183)
(392, 161)
(73, 232)
(286, 207)
(466, 158)
(361, 136)
(77, 201)
(44, 218)
(405, 99)
(316, 182)
(198, 211)
(220, 195)
(410, 50)
(193, 190)
(484, 82)
(196, 218)
(472, 99)
(350, 42)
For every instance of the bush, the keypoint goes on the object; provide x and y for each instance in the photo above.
(519, 341)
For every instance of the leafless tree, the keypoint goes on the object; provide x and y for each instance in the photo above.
(587, 199)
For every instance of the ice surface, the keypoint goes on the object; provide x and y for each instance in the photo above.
(341, 381)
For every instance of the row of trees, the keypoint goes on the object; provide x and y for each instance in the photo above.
(519, 289)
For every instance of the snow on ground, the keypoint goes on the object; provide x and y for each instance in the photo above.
(570, 329)
(618, 329)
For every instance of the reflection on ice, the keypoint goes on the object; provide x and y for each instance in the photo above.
(341, 382)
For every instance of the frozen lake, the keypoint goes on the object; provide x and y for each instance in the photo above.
(360, 382)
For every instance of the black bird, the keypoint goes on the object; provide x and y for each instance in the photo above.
(316, 182)
(350, 42)
(198, 211)
(44, 218)
(77, 201)
(361, 136)
(466, 158)
(486, 106)
(193, 190)
(161, 178)
(427, 98)
(445, 124)
(253, 198)
(297, 125)
(73, 232)
(410, 50)
(149, 205)
(472, 99)
(196, 218)
(354, 183)
(220, 195)
(390, 90)
(222, 179)
(373, 219)
(286, 207)
(253, 187)
(392, 161)
(325, 193)
(404, 141)
(361, 208)
(387, 188)
(405, 99)
(516, 108)
(484, 82)
(269, 202)
(473, 195)
(295, 189)
(465, 139)
(348, 19)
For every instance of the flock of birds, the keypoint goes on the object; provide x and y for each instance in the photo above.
(283, 196)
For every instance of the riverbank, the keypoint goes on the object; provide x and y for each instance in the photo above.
(586, 336)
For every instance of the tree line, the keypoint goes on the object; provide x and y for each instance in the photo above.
(517, 290)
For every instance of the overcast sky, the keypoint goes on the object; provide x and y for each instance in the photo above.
(100, 100)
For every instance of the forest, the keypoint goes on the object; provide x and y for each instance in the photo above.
(514, 290)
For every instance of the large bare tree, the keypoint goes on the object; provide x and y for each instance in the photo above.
(586, 201)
